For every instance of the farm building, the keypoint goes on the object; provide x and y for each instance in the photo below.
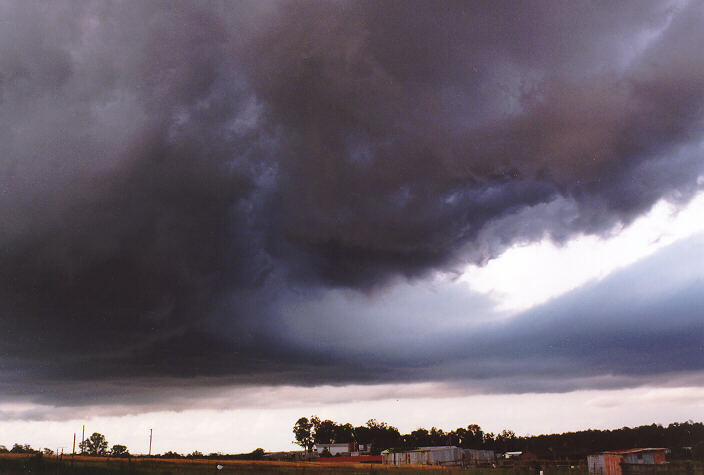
(616, 462)
(443, 455)
(478, 457)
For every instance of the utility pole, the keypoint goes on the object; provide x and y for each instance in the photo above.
(74, 444)
(83, 438)
(150, 442)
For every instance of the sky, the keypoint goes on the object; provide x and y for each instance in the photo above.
(219, 217)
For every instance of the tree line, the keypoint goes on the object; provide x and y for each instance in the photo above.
(96, 444)
(685, 439)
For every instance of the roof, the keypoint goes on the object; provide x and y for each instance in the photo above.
(437, 447)
(633, 451)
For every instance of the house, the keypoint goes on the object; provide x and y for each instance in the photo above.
(616, 462)
(334, 449)
(347, 448)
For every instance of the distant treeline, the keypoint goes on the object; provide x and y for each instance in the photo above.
(256, 454)
(26, 449)
(679, 437)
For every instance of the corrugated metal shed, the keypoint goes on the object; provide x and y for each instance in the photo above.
(604, 464)
(476, 457)
(610, 463)
(447, 455)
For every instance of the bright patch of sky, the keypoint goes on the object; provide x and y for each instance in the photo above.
(527, 275)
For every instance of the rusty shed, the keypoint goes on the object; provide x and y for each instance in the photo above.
(615, 461)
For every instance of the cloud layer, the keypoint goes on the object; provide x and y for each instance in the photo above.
(179, 179)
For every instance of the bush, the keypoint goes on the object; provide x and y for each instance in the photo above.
(172, 455)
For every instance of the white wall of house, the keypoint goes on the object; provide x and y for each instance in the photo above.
(333, 448)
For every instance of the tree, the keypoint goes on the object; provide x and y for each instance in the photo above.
(505, 440)
(3, 449)
(22, 449)
(324, 432)
(257, 454)
(119, 451)
(420, 438)
(48, 451)
(302, 432)
(438, 437)
(343, 433)
(472, 437)
(381, 435)
(94, 445)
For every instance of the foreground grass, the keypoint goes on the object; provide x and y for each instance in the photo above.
(12, 464)
(16, 464)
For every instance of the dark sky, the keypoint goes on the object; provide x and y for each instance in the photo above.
(185, 188)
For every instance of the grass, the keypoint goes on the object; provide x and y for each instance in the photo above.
(11, 464)
(25, 464)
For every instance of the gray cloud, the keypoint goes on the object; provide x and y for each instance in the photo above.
(174, 176)
(639, 326)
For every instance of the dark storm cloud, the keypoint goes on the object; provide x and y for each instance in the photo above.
(410, 127)
(171, 171)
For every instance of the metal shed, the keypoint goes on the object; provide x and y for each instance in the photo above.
(445, 455)
(614, 462)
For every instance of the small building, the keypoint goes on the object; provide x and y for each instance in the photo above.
(478, 457)
(616, 462)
